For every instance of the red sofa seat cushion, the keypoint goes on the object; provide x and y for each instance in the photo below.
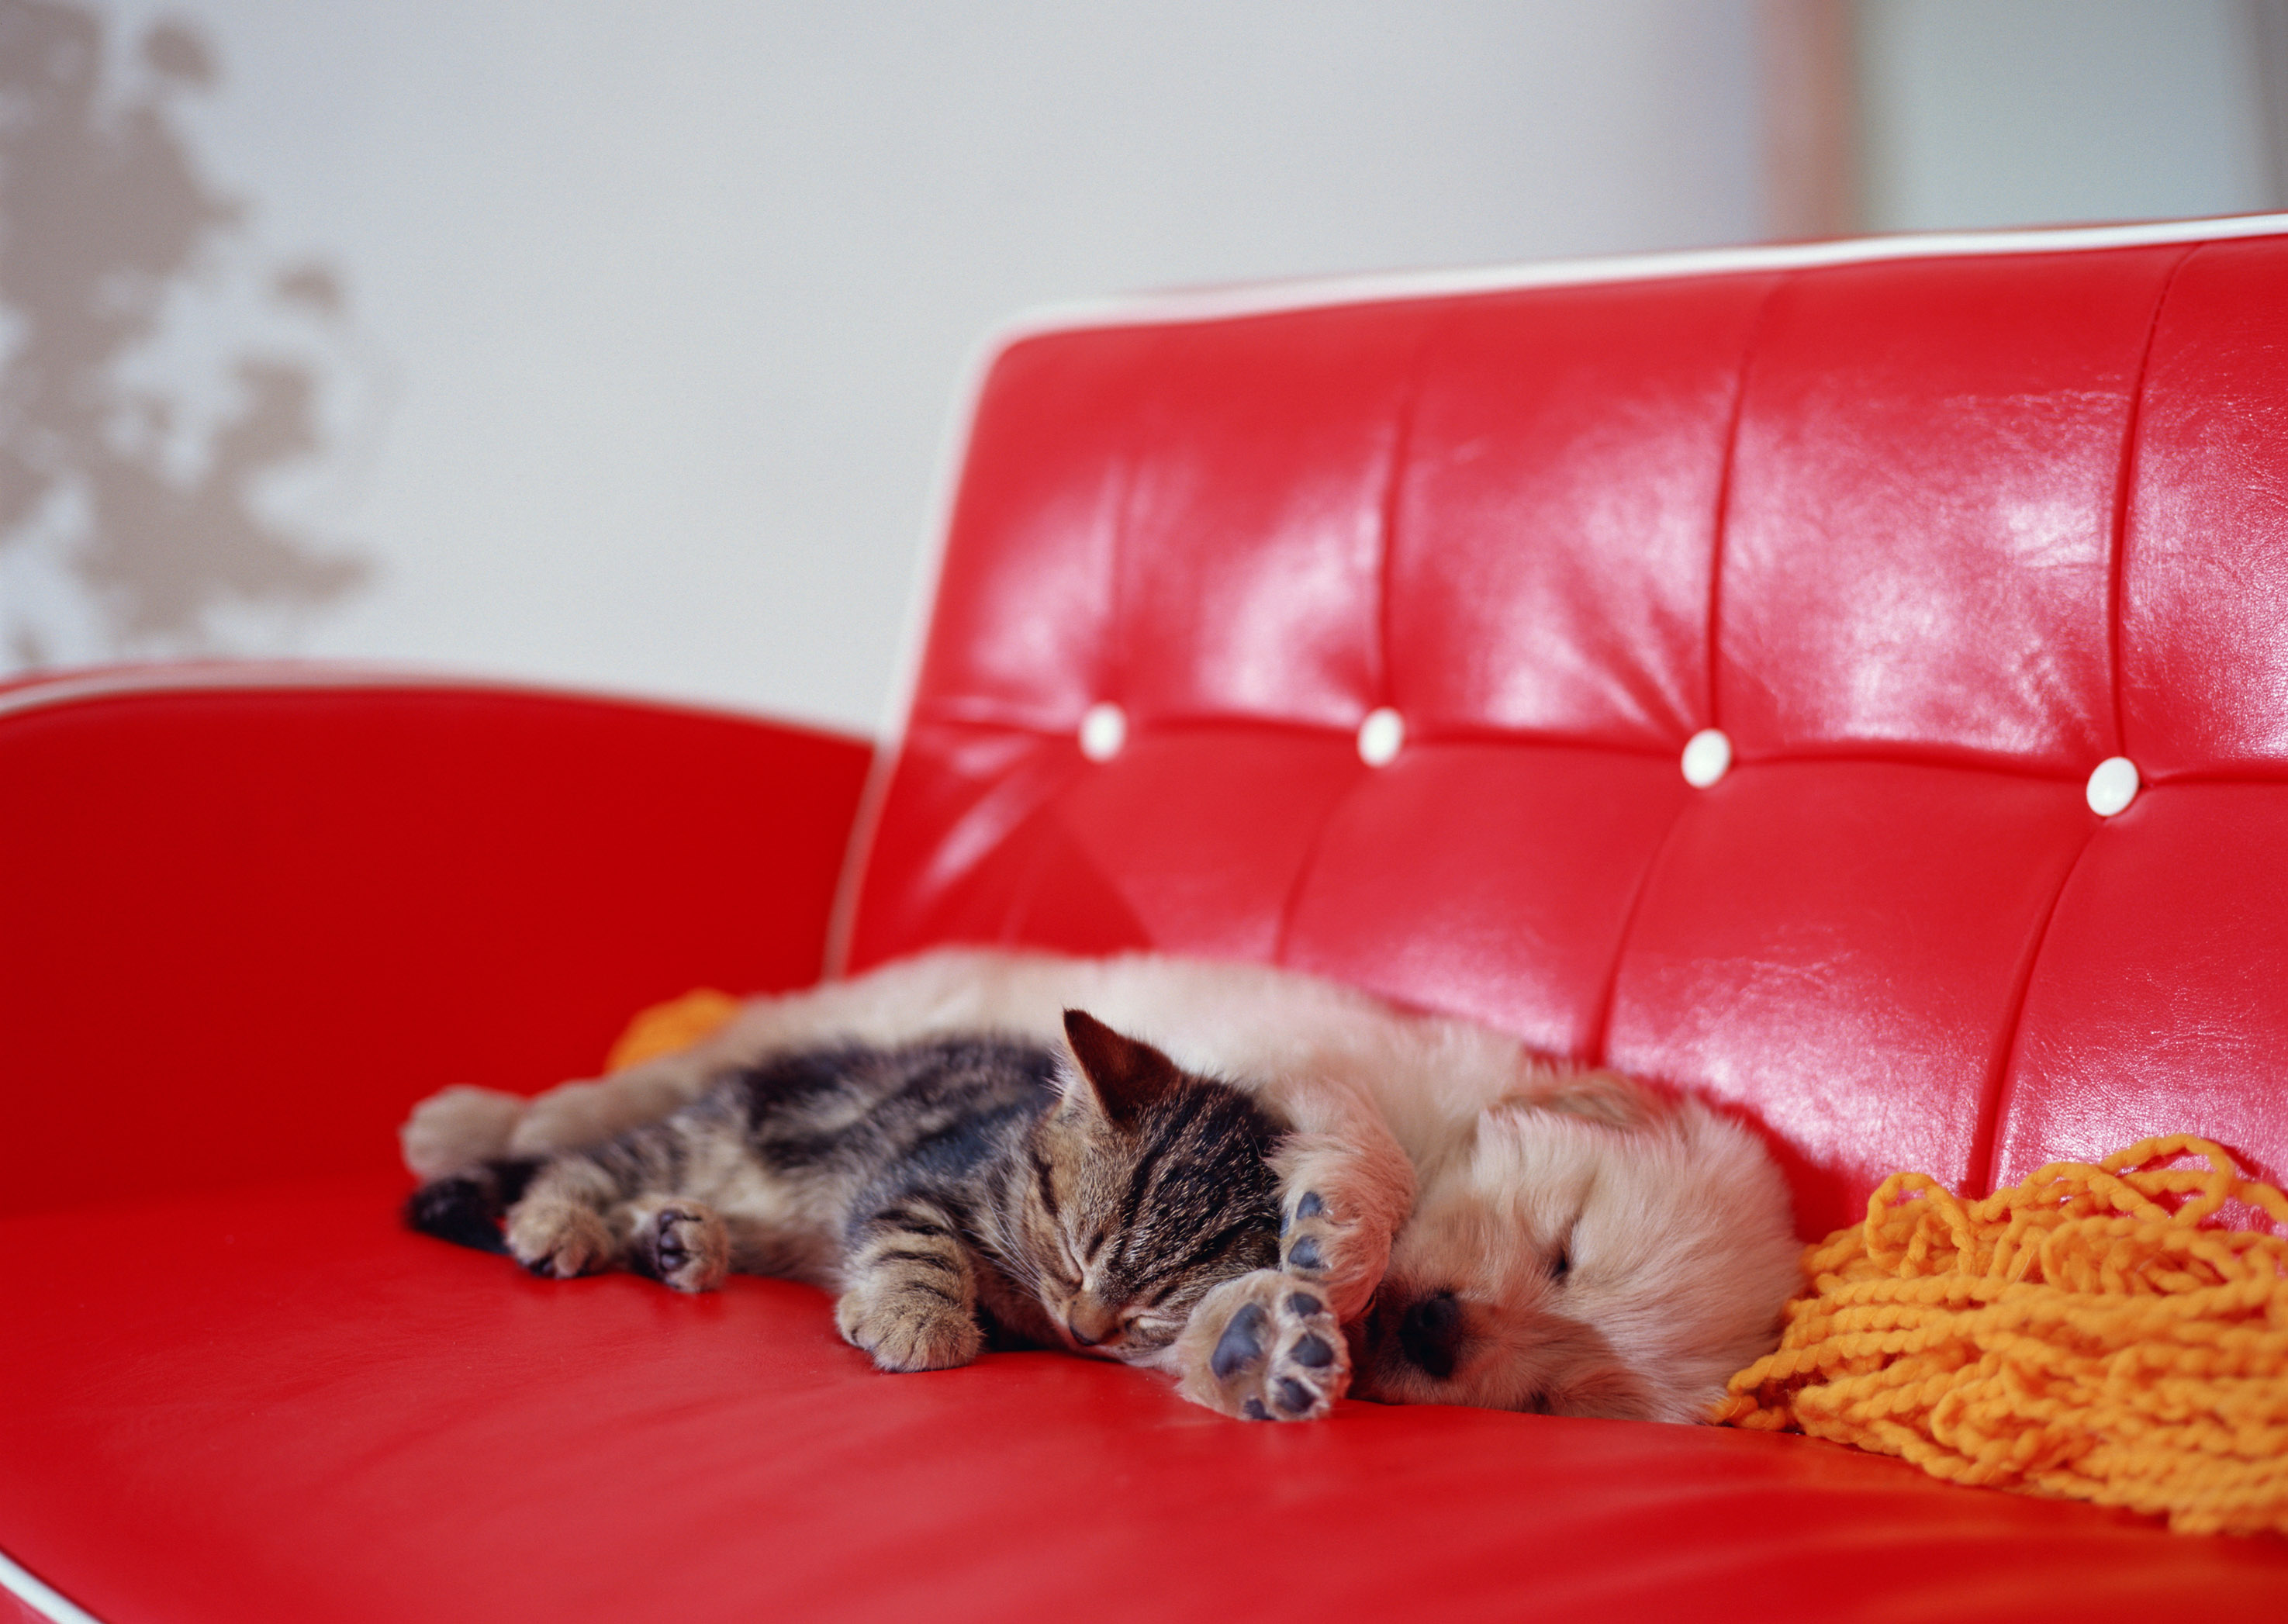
(309, 1415)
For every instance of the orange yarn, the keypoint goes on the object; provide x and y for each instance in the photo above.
(665, 1028)
(2080, 1335)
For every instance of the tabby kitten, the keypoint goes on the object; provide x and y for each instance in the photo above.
(947, 1191)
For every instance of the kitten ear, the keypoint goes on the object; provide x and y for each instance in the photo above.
(1127, 1077)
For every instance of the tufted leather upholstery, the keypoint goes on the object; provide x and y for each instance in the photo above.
(1927, 538)
(1927, 534)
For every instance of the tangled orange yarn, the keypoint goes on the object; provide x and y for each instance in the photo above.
(2083, 1335)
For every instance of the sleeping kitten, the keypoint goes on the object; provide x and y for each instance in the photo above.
(943, 1189)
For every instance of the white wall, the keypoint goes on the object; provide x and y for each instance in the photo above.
(2020, 112)
(656, 307)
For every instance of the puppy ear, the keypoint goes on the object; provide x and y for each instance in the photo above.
(1600, 1097)
(1126, 1077)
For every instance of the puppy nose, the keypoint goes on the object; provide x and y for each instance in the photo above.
(1430, 1332)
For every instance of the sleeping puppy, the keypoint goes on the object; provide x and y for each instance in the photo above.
(1483, 1227)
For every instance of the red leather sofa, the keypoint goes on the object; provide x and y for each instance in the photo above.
(1928, 529)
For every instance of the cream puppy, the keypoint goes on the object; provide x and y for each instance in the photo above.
(1487, 1227)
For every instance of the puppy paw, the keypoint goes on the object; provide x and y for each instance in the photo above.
(558, 1240)
(680, 1243)
(457, 1128)
(1265, 1347)
(907, 1331)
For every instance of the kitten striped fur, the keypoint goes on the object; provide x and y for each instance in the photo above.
(948, 1191)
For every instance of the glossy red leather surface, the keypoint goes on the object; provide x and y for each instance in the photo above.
(256, 924)
(308, 1414)
(1916, 556)
(1928, 538)
(2158, 996)
(1840, 947)
(1520, 903)
(1527, 407)
(2204, 581)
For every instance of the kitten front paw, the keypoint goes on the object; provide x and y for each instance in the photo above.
(557, 1240)
(1265, 1347)
(680, 1243)
(908, 1331)
(456, 1128)
(1337, 1258)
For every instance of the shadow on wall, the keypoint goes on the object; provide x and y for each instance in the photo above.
(131, 511)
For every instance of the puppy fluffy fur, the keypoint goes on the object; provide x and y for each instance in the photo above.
(1491, 1230)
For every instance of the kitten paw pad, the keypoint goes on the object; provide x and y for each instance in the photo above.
(1307, 1234)
(1322, 1239)
(1280, 1355)
(683, 1245)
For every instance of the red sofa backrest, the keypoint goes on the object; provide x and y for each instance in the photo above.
(1928, 533)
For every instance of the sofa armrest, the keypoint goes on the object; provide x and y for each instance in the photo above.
(253, 913)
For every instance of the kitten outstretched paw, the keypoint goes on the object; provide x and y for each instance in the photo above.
(569, 1117)
(905, 1330)
(557, 1240)
(1265, 1347)
(456, 1128)
(575, 1115)
(679, 1242)
(1317, 1246)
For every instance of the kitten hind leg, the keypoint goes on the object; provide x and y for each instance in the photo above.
(677, 1241)
(911, 1301)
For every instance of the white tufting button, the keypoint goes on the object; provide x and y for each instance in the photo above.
(1103, 731)
(1707, 757)
(1381, 736)
(2112, 786)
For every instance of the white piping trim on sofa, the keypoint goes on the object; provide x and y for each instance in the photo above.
(78, 687)
(1266, 298)
(1179, 305)
(39, 1598)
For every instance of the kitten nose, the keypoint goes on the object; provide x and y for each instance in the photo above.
(1090, 1321)
(1430, 1332)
